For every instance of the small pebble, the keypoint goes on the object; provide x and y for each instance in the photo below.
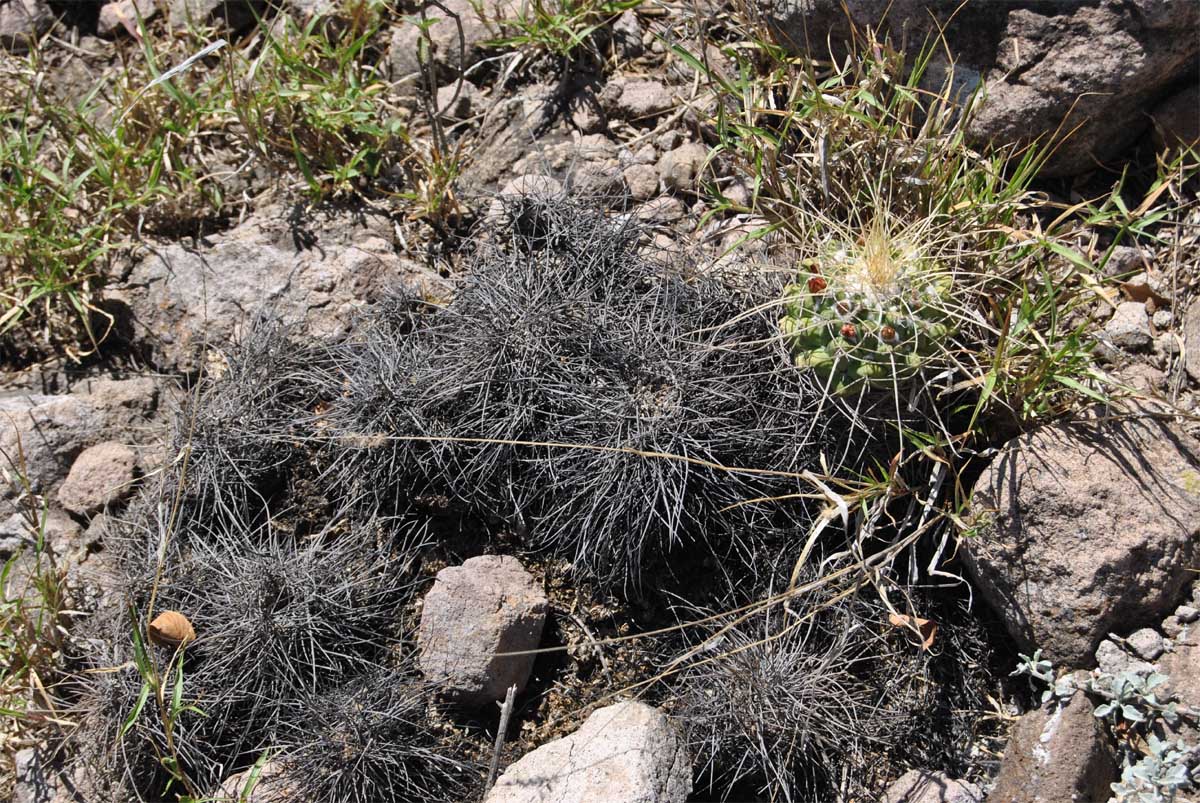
(1147, 643)
(1129, 327)
(1113, 660)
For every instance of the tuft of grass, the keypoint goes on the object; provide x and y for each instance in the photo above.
(35, 614)
(865, 169)
(176, 138)
(558, 27)
(315, 100)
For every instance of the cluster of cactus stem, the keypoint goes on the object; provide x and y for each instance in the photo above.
(870, 313)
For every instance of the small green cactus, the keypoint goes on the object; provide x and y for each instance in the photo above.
(872, 312)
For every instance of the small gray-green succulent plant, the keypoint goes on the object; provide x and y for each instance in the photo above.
(871, 311)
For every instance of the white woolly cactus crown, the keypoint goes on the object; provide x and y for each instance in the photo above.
(870, 310)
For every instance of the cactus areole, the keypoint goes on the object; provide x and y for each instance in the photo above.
(869, 313)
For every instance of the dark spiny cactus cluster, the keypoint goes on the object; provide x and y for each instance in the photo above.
(586, 395)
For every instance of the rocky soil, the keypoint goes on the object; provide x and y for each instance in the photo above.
(1080, 536)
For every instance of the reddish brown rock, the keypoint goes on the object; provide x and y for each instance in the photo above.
(487, 606)
(1086, 529)
(102, 475)
(1057, 756)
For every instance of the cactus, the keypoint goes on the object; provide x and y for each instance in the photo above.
(868, 313)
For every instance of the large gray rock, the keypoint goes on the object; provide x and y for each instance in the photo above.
(22, 22)
(1191, 339)
(1097, 67)
(224, 15)
(919, 786)
(123, 16)
(1047, 66)
(817, 26)
(627, 752)
(183, 298)
(1177, 119)
(47, 433)
(1056, 757)
(1182, 667)
(41, 779)
(635, 99)
(1084, 529)
(450, 54)
(487, 606)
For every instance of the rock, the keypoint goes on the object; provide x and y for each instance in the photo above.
(661, 210)
(517, 126)
(1182, 667)
(529, 186)
(185, 298)
(919, 786)
(681, 168)
(1177, 119)
(1125, 261)
(600, 181)
(1171, 627)
(1191, 339)
(458, 101)
(40, 778)
(225, 15)
(123, 16)
(270, 786)
(1187, 614)
(586, 113)
(488, 605)
(1113, 660)
(58, 531)
(22, 22)
(628, 752)
(642, 181)
(813, 26)
(1147, 643)
(635, 100)
(1084, 529)
(48, 431)
(627, 36)
(669, 140)
(101, 475)
(1093, 67)
(1129, 327)
(449, 58)
(1057, 756)
(307, 9)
